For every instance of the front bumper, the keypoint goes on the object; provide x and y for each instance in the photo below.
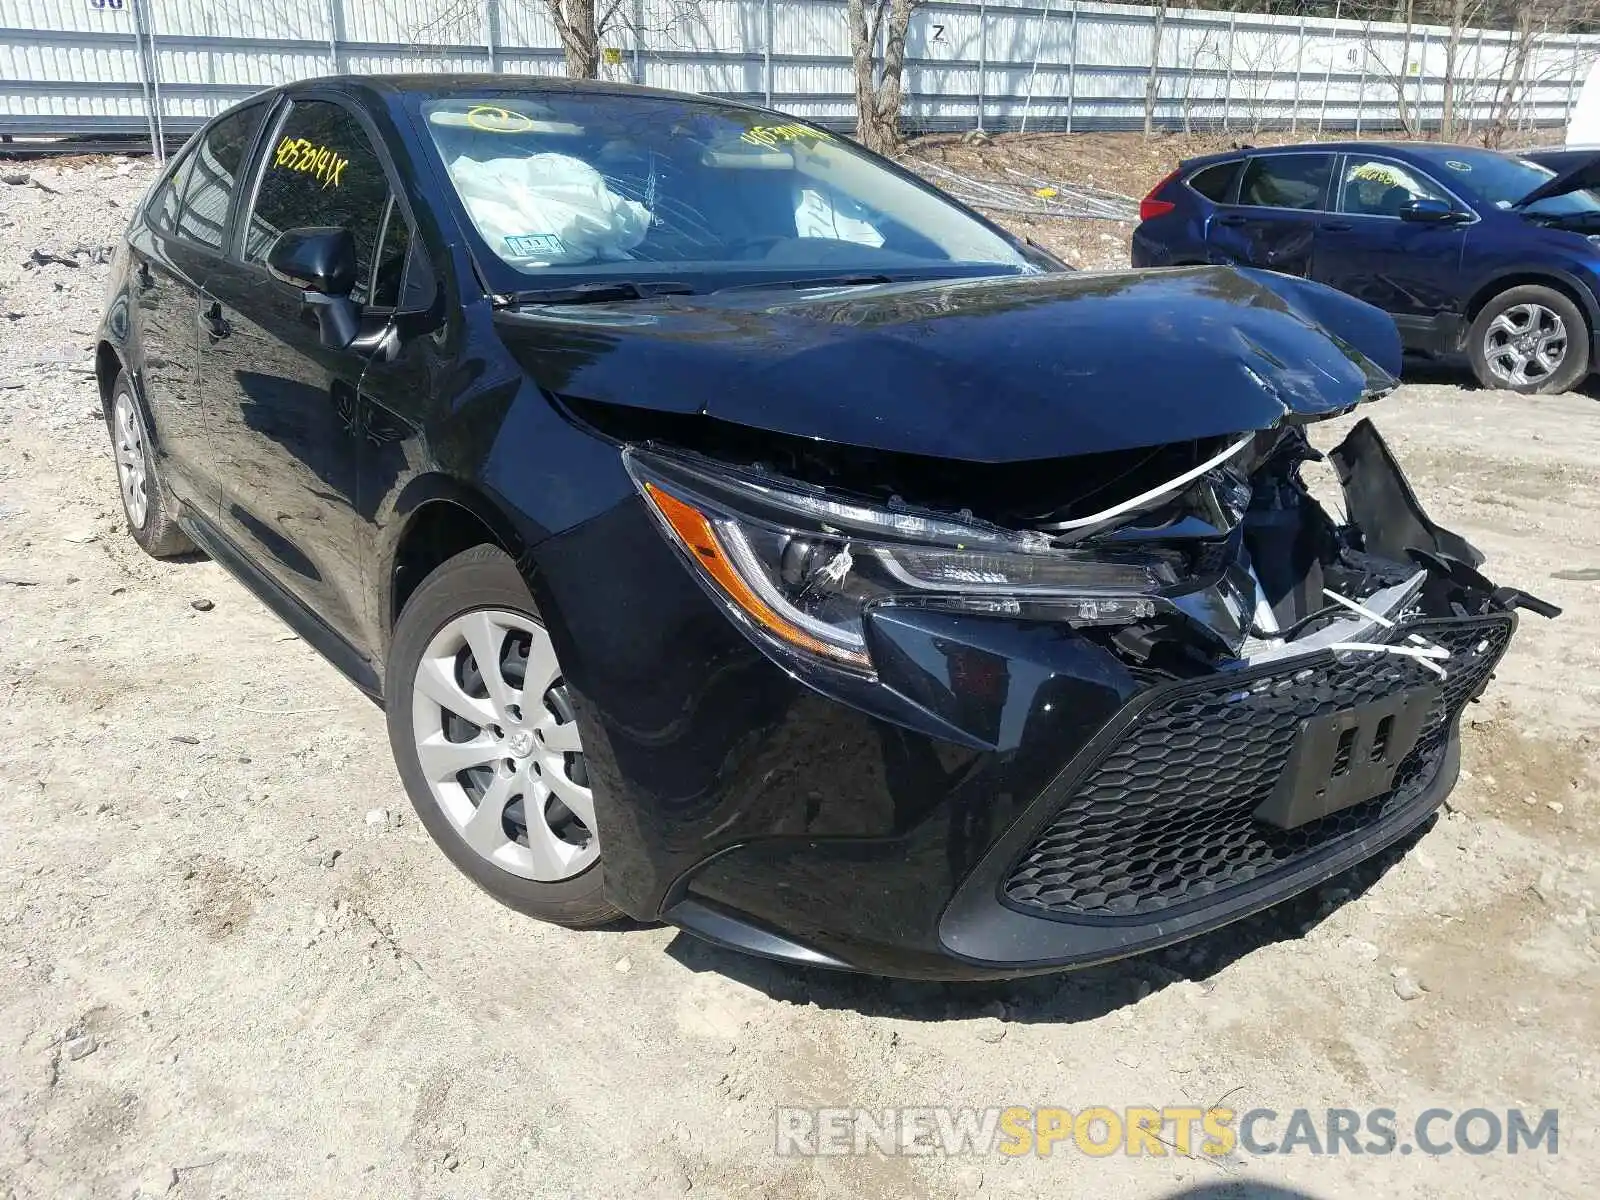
(1145, 838)
(1007, 798)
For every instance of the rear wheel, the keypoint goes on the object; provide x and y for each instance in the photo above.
(1530, 339)
(146, 504)
(487, 744)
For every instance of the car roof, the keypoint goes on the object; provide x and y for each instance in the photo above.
(459, 83)
(1428, 151)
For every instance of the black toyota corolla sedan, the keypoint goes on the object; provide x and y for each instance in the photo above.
(739, 533)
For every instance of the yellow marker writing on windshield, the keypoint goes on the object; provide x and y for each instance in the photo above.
(489, 118)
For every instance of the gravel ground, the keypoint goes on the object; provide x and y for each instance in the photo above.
(231, 964)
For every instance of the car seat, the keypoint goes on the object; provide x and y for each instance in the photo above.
(1393, 200)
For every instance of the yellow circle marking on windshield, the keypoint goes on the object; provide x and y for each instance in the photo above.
(487, 118)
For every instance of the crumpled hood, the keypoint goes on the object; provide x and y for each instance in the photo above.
(990, 370)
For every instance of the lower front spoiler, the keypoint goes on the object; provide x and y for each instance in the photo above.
(983, 939)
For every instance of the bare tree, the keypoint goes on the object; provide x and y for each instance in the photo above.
(1258, 61)
(1153, 79)
(582, 26)
(1202, 53)
(878, 68)
(1396, 72)
(1459, 10)
(1514, 77)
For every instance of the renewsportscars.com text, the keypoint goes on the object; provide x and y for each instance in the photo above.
(1099, 1131)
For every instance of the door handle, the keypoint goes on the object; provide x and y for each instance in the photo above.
(1231, 219)
(1336, 226)
(216, 326)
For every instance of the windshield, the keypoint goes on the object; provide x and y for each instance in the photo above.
(567, 185)
(1499, 180)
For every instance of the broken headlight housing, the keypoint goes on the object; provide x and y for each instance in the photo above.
(799, 568)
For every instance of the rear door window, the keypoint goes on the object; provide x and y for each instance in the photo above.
(165, 203)
(1215, 182)
(1295, 181)
(320, 169)
(208, 186)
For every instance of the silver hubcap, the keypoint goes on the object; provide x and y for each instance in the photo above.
(129, 447)
(1525, 344)
(499, 748)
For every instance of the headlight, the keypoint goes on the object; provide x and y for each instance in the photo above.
(799, 569)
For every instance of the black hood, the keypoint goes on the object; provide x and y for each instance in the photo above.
(1584, 173)
(988, 370)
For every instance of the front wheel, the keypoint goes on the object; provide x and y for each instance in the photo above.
(1529, 339)
(485, 739)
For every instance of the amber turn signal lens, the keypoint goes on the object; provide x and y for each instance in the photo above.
(697, 536)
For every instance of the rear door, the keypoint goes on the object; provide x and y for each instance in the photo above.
(166, 275)
(209, 188)
(1410, 269)
(1273, 223)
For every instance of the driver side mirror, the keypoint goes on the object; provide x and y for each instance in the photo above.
(320, 260)
(1428, 208)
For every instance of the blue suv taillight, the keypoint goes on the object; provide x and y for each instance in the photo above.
(1150, 206)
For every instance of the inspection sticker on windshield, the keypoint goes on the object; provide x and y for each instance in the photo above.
(535, 245)
(1457, 165)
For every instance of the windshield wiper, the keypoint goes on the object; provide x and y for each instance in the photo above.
(594, 293)
(825, 281)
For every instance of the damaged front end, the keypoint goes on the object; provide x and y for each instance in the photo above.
(1287, 685)
(1181, 560)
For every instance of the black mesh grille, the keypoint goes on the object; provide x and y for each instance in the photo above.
(1164, 817)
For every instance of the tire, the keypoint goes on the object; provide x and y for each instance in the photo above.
(1511, 342)
(535, 848)
(147, 505)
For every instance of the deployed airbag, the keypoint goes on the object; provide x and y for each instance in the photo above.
(548, 209)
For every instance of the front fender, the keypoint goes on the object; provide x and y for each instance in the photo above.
(1578, 278)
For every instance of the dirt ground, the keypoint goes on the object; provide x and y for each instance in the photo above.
(232, 965)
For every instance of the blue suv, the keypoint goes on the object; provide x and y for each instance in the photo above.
(1469, 250)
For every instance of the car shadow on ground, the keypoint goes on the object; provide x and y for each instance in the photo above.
(1420, 369)
(1239, 1189)
(1060, 998)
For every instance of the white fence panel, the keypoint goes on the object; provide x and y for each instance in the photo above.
(118, 66)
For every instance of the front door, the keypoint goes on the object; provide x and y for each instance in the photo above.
(1273, 224)
(1410, 269)
(284, 405)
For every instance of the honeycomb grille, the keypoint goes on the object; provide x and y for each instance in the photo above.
(1164, 817)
